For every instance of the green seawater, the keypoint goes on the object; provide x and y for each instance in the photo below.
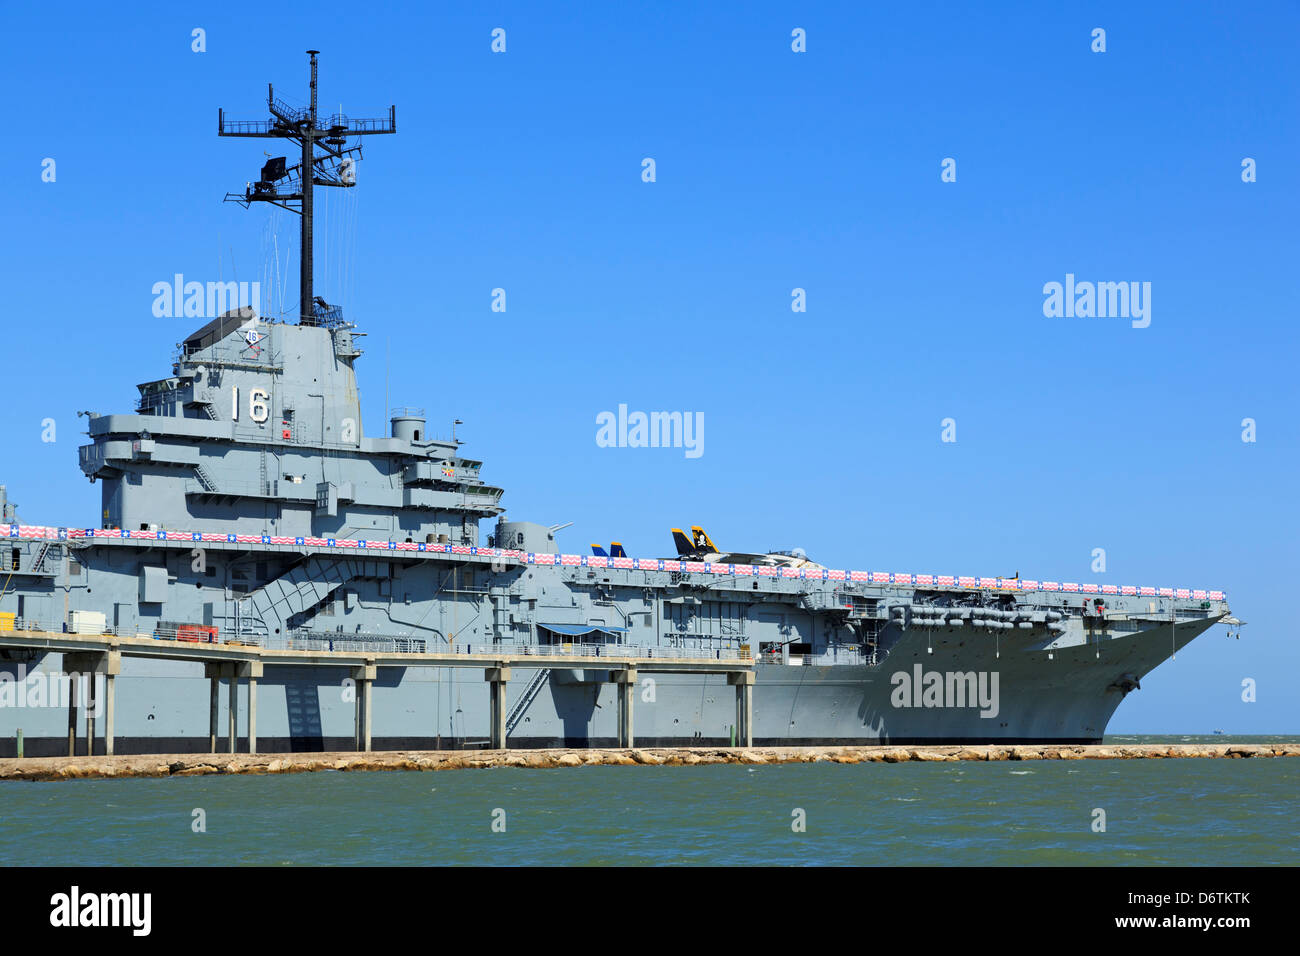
(1176, 812)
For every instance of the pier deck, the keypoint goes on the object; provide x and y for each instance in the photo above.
(101, 655)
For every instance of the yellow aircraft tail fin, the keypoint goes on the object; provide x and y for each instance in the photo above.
(702, 539)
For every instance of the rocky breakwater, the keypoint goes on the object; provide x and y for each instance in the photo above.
(189, 765)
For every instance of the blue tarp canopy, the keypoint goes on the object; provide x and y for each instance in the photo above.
(576, 630)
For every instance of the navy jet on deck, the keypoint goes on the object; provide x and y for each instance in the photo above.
(700, 547)
(615, 550)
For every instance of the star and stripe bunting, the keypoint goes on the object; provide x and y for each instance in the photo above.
(39, 532)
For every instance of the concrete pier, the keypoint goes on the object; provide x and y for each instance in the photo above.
(102, 654)
(84, 668)
(231, 673)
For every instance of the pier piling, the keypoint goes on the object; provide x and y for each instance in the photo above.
(72, 712)
(90, 712)
(743, 681)
(497, 678)
(233, 706)
(213, 673)
(626, 682)
(112, 667)
(252, 670)
(365, 680)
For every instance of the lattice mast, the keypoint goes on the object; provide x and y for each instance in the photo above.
(325, 153)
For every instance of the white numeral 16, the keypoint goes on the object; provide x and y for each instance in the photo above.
(259, 404)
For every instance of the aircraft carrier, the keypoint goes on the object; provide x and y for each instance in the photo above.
(242, 503)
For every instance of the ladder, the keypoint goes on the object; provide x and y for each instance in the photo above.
(204, 478)
(530, 693)
(300, 589)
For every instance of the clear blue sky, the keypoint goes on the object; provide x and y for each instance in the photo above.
(775, 170)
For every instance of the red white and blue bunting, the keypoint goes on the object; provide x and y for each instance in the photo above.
(35, 532)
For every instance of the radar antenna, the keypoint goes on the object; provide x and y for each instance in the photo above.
(287, 186)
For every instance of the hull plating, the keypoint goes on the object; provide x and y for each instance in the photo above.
(163, 706)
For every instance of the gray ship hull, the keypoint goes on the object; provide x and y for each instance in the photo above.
(163, 706)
